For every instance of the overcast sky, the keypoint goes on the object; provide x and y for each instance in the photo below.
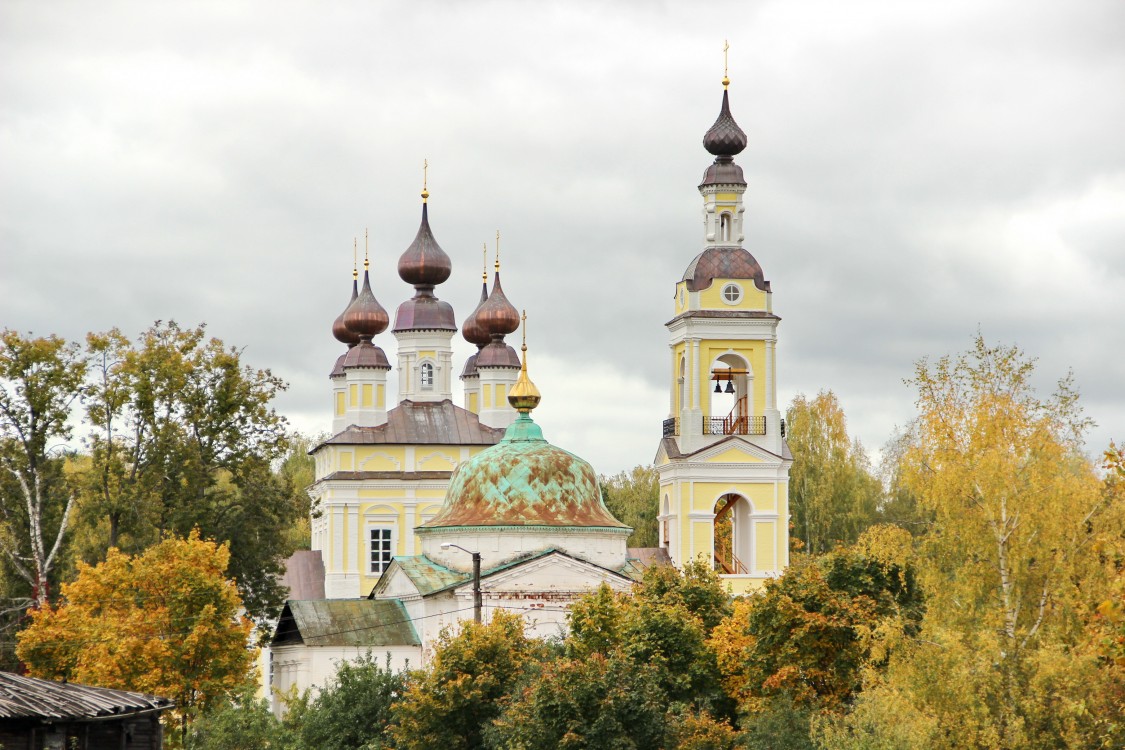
(916, 171)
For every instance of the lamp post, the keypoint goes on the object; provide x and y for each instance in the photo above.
(476, 577)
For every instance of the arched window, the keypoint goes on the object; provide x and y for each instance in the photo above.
(724, 226)
(427, 376)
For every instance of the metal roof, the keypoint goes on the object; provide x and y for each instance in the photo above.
(32, 698)
(426, 423)
(345, 622)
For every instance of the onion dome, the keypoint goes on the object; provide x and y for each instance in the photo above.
(424, 263)
(365, 316)
(340, 330)
(725, 138)
(496, 314)
(724, 263)
(473, 329)
(524, 396)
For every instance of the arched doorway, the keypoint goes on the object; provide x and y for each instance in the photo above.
(733, 534)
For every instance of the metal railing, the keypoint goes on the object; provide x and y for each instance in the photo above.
(721, 426)
(734, 425)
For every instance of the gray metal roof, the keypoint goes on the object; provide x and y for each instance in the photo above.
(304, 575)
(428, 423)
(345, 622)
(32, 698)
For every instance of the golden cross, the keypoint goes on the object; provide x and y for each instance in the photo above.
(726, 46)
(524, 319)
(355, 261)
(484, 261)
(425, 172)
(366, 261)
(497, 249)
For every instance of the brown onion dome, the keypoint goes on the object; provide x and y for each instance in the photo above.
(366, 355)
(342, 333)
(365, 317)
(496, 314)
(725, 138)
(424, 263)
(473, 329)
(724, 263)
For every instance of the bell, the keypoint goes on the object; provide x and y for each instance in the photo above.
(718, 389)
(730, 387)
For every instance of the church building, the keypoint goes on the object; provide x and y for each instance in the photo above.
(429, 513)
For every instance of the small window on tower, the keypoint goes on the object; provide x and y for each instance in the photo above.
(427, 376)
(732, 294)
(724, 226)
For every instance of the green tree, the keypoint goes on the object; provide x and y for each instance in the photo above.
(247, 723)
(167, 622)
(182, 436)
(583, 704)
(354, 711)
(41, 379)
(633, 497)
(661, 627)
(806, 637)
(833, 495)
(452, 701)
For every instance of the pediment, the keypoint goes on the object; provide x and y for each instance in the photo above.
(555, 572)
(394, 583)
(734, 456)
(734, 450)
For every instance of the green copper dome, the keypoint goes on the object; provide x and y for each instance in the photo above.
(524, 481)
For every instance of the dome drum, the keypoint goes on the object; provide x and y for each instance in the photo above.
(424, 312)
(366, 355)
(724, 263)
(496, 354)
(723, 172)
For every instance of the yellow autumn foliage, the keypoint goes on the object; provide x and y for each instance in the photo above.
(167, 621)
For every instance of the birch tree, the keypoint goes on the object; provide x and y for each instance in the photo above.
(41, 380)
(1025, 542)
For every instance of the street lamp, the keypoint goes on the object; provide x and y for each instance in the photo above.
(476, 577)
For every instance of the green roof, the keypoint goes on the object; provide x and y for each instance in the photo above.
(345, 622)
(524, 481)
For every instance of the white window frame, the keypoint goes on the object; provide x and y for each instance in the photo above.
(426, 376)
(729, 287)
(385, 535)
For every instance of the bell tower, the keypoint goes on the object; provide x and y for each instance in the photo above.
(723, 461)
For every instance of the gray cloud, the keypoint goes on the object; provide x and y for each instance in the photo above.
(915, 172)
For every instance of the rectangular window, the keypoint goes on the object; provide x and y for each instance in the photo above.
(381, 549)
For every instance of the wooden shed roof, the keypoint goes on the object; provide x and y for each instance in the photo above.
(32, 698)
